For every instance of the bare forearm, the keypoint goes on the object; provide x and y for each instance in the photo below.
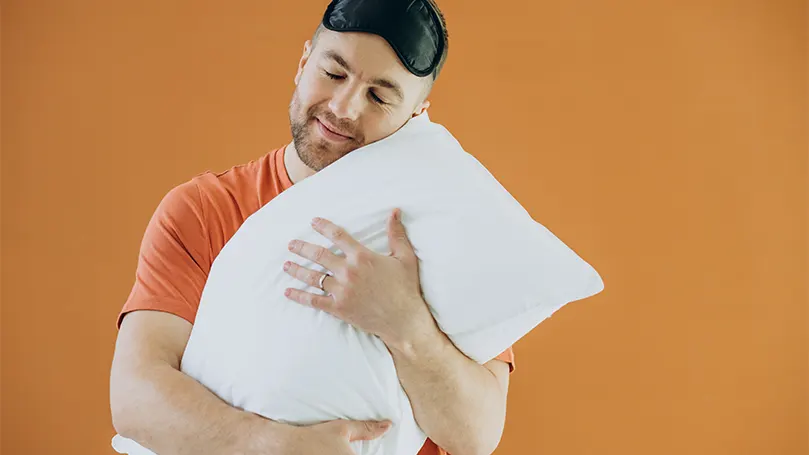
(458, 403)
(171, 414)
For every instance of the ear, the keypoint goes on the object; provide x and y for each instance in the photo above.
(421, 108)
(307, 51)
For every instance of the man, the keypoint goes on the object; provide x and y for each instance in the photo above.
(367, 70)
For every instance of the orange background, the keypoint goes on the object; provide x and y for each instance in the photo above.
(665, 141)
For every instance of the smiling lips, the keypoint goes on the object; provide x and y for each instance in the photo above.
(331, 133)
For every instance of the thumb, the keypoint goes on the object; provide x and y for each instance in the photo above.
(366, 430)
(397, 236)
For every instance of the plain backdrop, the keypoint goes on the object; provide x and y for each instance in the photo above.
(666, 142)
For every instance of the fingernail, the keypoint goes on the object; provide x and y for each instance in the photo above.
(315, 221)
(287, 292)
(286, 266)
(291, 245)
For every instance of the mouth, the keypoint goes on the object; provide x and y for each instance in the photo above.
(330, 132)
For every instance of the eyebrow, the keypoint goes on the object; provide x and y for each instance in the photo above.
(382, 82)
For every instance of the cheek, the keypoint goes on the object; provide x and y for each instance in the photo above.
(378, 126)
(311, 89)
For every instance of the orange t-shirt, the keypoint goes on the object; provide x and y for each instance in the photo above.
(191, 226)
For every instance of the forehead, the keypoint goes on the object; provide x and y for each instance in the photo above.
(368, 55)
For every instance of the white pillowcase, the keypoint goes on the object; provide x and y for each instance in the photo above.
(489, 272)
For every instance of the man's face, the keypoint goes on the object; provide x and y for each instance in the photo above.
(351, 90)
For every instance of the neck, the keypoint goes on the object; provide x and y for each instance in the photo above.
(296, 169)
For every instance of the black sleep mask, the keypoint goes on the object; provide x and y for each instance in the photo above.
(411, 27)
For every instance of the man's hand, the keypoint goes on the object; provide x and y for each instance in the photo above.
(459, 404)
(158, 406)
(378, 294)
(331, 438)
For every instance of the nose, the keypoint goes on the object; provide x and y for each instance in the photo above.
(347, 101)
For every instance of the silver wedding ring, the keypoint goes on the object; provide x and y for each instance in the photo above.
(322, 279)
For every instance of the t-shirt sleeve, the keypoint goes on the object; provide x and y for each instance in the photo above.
(508, 357)
(174, 259)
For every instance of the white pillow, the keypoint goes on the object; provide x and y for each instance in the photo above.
(488, 270)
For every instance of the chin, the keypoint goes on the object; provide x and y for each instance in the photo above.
(316, 155)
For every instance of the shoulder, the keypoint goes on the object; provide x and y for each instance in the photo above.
(244, 187)
(222, 201)
(181, 206)
(179, 218)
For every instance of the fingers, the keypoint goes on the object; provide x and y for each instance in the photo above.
(309, 277)
(320, 302)
(316, 254)
(365, 430)
(337, 235)
(400, 245)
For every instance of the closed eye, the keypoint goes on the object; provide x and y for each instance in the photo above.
(377, 99)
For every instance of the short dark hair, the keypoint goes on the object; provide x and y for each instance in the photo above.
(443, 30)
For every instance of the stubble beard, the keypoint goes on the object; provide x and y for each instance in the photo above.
(315, 152)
